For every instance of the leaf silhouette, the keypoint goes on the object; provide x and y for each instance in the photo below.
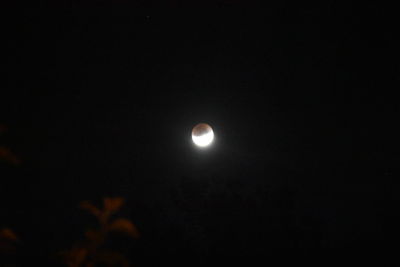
(8, 234)
(76, 256)
(86, 205)
(80, 255)
(8, 156)
(125, 226)
(90, 252)
(112, 205)
(8, 240)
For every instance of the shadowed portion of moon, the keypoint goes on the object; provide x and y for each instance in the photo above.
(201, 129)
(202, 134)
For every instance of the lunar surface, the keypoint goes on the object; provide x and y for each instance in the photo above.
(202, 135)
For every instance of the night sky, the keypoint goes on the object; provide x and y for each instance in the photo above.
(100, 100)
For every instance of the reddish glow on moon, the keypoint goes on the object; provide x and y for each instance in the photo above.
(202, 135)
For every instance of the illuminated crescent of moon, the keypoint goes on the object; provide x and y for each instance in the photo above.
(204, 139)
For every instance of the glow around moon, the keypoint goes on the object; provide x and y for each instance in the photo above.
(202, 135)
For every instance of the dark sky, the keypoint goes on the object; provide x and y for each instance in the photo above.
(100, 101)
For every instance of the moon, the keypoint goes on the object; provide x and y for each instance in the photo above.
(202, 135)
